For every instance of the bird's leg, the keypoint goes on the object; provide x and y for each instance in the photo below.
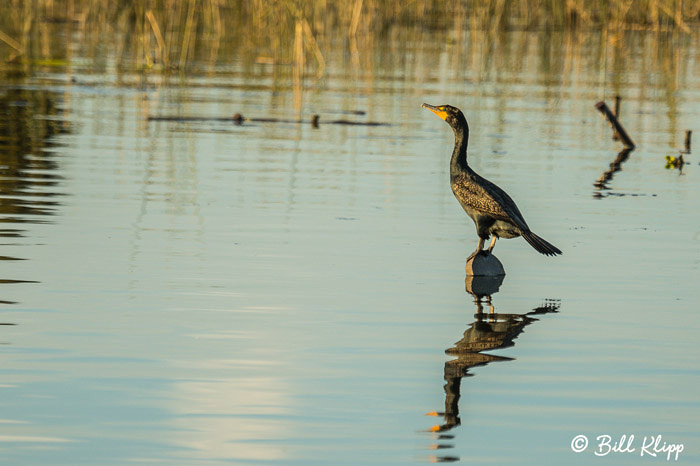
(479, 248)
(493, 243)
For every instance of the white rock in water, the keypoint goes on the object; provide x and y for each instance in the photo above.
(484, 264)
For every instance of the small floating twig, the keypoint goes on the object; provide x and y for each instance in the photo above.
(347, 112)
(358, 123)
(688, 135)
(239, 119)
(186, 118)
(617, 127)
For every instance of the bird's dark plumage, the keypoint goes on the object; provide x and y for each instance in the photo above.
(493, 211)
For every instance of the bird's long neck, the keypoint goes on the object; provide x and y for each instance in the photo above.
(459, 154)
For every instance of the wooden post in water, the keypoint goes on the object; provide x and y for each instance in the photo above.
(617, 127)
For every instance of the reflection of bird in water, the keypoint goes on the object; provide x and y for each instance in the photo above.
(489, 331)
(493, 211)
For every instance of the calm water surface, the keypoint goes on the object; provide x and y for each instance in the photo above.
(194, 292)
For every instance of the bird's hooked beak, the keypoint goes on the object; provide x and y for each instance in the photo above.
(436, 110)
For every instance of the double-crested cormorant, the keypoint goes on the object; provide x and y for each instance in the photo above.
(493, 211)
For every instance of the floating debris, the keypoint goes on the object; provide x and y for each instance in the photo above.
(677, 162)
(239, 119)
(186, 119)
(674, 162)
(358, 123)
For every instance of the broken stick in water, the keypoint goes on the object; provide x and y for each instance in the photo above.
(617, 115)
(617, 106)
(617, 127)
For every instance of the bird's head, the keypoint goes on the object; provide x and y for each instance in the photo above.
(452, 115)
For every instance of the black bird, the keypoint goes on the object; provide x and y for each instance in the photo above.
(493, 211)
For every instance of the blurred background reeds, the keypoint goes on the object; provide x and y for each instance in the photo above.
(166, 35)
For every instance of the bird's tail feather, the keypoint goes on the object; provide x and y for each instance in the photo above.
(540, 245)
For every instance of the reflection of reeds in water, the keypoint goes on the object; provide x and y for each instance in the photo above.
(169, 33)
(29, 178)
(361, 39)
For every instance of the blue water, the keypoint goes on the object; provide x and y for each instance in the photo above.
(200, 292)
